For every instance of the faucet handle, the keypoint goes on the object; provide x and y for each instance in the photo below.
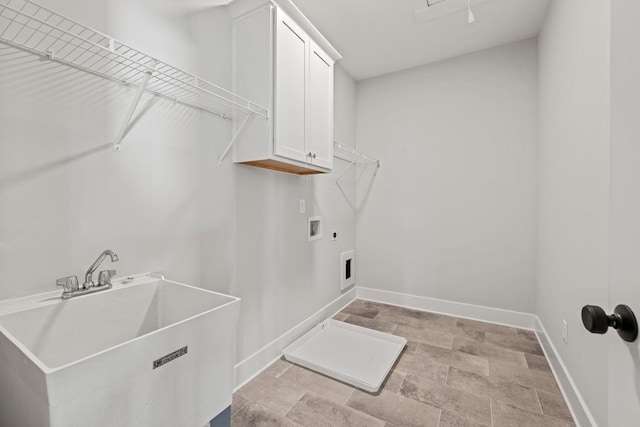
(70, 283)
(104, 278)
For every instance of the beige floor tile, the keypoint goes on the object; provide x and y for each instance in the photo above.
(539, 363)
(487, 327)
(341, 316)
(470, 334)
(469, 362)
(427, 336)
(314, 411)
(393, 382)
(466, 361)
(471, 406)
(554, 405)
(407, 312)
(362, 308)
(304, 380)
(277, 368)
(419, 319)
(495, 388)
(524, 376)
(424, 368)
(440, 320)
(271, 393)
(505, 415)
(411, 346)
(398, 319)
(237, 403)
(395, 409)
(490, 351)
(365, 322)
(529, 335)
(254, 415)
(435, 320)
(449, 419)
(515, 343)
(377, 305)
(433, 353)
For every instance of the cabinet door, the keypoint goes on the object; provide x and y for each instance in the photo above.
(320, 108)
(291, 71)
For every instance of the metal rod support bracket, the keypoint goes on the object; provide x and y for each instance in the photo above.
(348, 167)
(235, 137)
(132, 109)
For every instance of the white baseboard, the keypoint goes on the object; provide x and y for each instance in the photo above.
(579, 410)
(458, 309)
(250, 367)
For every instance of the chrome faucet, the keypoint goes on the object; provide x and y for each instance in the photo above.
(73, 289)
(88, 279)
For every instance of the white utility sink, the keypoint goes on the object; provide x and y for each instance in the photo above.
(149, 352)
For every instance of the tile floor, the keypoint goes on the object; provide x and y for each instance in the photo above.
(453, 373)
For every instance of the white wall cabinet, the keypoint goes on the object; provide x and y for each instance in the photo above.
(285, 63)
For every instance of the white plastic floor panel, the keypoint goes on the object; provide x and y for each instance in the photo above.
(352, 354)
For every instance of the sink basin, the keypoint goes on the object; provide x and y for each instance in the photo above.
(147, 352)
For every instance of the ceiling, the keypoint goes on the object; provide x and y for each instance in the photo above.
(377, 37)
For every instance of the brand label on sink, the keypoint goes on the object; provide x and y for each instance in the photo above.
(170, 357)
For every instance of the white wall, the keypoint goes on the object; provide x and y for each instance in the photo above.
(162, 203)
(574, 186)
(451, 213)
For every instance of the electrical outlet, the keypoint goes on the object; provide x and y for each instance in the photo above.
(565, 331)
(334, 235)
(302, 206)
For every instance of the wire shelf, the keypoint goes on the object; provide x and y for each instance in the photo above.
(26, 25)
(352, 156)
(349, 154)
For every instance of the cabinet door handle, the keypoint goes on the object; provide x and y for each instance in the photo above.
(314, 155)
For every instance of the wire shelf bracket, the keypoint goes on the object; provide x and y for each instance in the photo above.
(349, 154)
(26, 25)
(132, 109)
(235, 137)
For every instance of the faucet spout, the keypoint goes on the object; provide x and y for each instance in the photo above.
(88, 279)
